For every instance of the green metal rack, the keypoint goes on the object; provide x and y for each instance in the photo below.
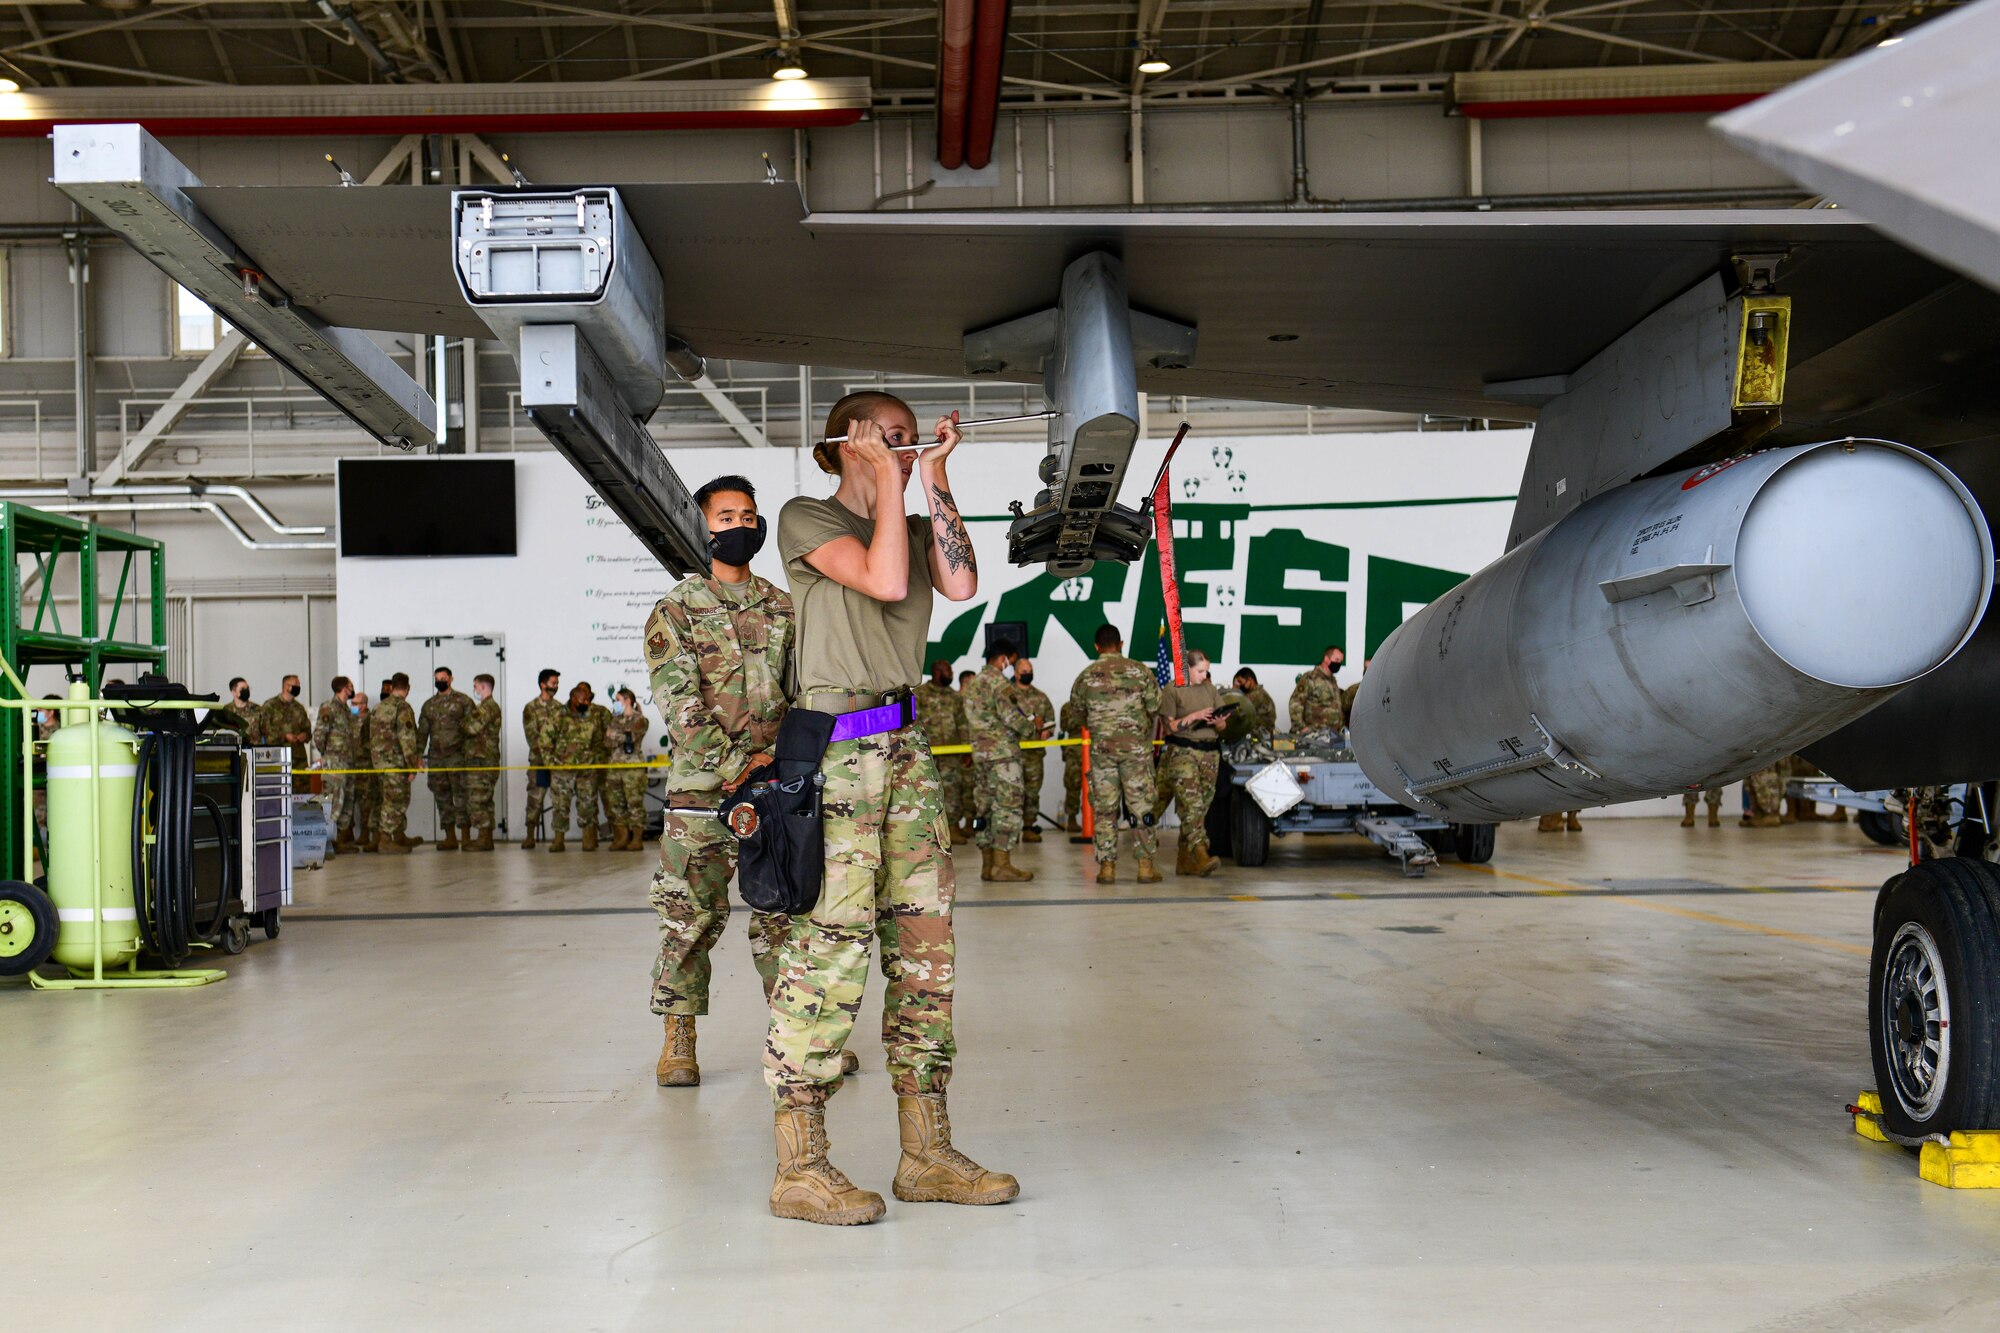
(70, 553)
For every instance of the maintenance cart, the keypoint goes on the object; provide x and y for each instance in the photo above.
(1310, 783)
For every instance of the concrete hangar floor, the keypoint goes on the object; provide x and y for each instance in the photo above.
(1596, 1084)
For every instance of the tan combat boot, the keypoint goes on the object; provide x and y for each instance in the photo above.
(1148, 875)
(1766, 821)
(556, 843)
(1031, 834)
(528, 843)
(1204, 861)
(958, 836)
(678, 1067)
(485, 843)
(590, 836)
(465, 838)
(1687, 816)
(1715, 816)
(986, 863)
(931, 1170)
(808, 1188)
(1107, 872)
(449, 842)
(388, 844)
(371, 844)
(1550, 824)
(1005, 871)
(1575, 825)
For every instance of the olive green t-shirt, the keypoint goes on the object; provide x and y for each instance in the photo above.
(1177, 701)
(848, 640)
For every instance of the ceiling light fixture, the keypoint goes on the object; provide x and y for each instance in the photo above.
(9, 86)
(789, 66)
(1151, 63)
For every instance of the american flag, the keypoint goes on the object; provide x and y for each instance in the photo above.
(1163, 661)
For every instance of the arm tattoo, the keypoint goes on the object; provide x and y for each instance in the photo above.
(953, 544)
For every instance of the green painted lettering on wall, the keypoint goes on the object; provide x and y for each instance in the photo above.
(956, 641)
(1322, 612)
(1394, 586)
(1078, 605)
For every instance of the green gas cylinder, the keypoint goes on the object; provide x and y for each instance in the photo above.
(73, 785)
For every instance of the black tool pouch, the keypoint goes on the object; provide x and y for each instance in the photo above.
(775, 815)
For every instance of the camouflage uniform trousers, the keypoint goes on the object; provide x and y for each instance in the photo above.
(998, 773)
(1033, 762)
(1121, 767)
(887, 873)
(448, 789)
(1713, 795)
(479, 787)
(538, 797)
(578, 785)
(691, 894)
(625, 793)
(367, 805)
(1767, 791)
(339, 794)
(955, 776)
(1187, 781)
(1072, 784)
(392, 816)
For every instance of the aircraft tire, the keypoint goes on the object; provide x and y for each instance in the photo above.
(1934, 999)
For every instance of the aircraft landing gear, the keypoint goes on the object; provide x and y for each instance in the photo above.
(1934, 998)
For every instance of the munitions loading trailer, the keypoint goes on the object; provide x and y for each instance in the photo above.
(1311, 784)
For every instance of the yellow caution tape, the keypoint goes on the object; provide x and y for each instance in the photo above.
(662, 761)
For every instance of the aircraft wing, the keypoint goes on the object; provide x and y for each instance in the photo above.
(1393, 312)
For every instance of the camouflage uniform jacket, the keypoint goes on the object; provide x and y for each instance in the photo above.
(1072, 718)
(1263, 711)
(392, 734)
(441, 726)
(334, 733)
(1037, 706)
(630, 727)
(537, 717)
(994, 717)
(364, 750)
(1118, 697)
(1315, 702)
(482, 732)
(280, 717)
(941, 713)
(243, 716)
(578, 738)
(717, 671)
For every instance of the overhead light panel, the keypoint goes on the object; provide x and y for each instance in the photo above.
(1150, 62)
(9, 86)
(789, 66)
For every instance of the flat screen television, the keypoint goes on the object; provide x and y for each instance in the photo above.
(426, 506)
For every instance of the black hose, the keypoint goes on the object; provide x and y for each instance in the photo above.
(163, 873)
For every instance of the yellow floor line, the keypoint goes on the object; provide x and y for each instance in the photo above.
(1686, 913)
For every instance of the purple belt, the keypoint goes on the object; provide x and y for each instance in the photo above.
(873, 721)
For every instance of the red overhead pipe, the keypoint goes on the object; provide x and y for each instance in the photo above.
(954, 81)
(989, 51)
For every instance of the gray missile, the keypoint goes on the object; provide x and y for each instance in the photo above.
(1678, 632)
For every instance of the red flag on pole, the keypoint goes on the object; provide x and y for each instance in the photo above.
(1163, 536)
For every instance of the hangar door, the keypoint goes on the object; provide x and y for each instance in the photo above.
(417, 656)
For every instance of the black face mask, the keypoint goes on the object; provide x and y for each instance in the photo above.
(442, 685)
(582, 707)
(386, 694)
(735, 546)
(1024, 678)
(243, 694)
(294, 691)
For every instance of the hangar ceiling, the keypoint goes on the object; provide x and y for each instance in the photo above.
(1055, 49)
